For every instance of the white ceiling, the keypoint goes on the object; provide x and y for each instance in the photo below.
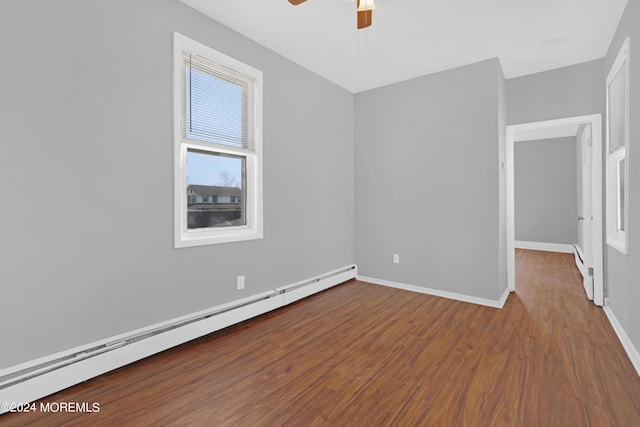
(410, 38)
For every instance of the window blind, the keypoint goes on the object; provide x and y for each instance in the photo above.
(218, 103)
(617, 110)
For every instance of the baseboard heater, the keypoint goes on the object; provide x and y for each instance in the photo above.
(579, 258)
(198, 324)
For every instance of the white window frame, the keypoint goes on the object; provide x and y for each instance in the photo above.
(618, 234)
(183, 237)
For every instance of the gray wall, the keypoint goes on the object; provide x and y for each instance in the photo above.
(546, 191)
(87, 174)
(564, 92)
(427, 181)
(623, 271)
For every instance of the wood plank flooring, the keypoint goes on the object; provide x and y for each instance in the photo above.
(367, 355)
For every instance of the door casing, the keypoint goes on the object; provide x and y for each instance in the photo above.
(554, 128)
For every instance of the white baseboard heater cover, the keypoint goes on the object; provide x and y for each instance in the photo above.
(579, 258)
(36, 379)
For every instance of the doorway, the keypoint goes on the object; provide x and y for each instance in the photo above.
(591, 222)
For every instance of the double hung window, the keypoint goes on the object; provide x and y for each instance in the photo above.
(617, 190)
(218, 147)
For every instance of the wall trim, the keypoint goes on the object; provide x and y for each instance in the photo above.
(631, 350)
(541, 246)
(41, 377)
(439, 293)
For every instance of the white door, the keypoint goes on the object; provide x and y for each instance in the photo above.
(585, 218)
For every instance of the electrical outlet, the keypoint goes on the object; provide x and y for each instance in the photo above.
(396, 258)
(240, 282)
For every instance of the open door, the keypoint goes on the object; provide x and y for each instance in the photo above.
(585, 214)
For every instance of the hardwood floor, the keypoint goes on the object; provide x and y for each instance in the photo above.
(366, 355)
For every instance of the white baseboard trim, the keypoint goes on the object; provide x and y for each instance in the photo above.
(631, 350)
(38, 378)
(439, 293)
(547, 247)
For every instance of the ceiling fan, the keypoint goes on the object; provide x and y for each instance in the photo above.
(364, 10)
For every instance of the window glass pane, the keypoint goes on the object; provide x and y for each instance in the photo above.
(216, 189)
(617, 110)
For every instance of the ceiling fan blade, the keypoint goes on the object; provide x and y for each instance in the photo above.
(364, 19)
(296, 2)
